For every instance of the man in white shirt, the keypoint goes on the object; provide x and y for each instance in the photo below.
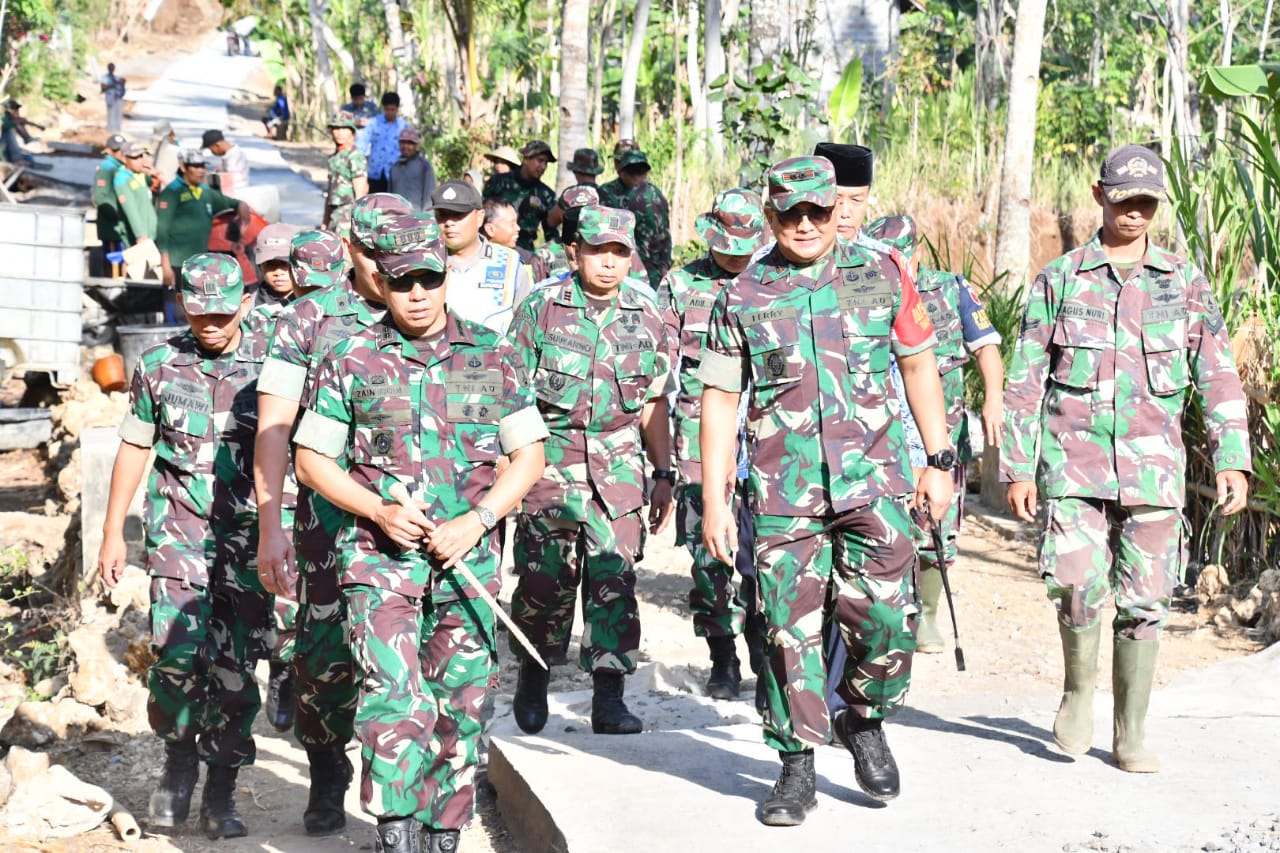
(234, 173)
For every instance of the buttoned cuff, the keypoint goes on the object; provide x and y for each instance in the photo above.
(282, 379)
(721, 371)
(321, 434)
(520, 429)
(990, 339)
(135, 430)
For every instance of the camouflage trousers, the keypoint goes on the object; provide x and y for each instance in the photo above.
(424, 672)
(286, 610)
(322, 665)
(553, 557)
(1092, 549)
(720, 608)
(855, 571)
(206, 641)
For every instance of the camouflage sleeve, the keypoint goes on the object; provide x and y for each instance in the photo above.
(664, 364)
(284, 371)
(526, 339)
(724, 361)
(668, 306)
(912, 328)
(1024, 392)
(521, 422)
(139, 425)
(326, 425)
(975, 324)
(662, 245)
(1217, 382)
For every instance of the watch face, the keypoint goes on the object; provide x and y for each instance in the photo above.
(947, 460)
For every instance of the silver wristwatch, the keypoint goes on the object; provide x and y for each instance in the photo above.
(487, 516)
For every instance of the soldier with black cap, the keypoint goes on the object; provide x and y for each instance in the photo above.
(525, 190)
(486, 281)
(632, 190)
(585, 166)
(1118, 336)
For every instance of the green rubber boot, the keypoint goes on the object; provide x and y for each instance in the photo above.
(1073, 728)
(928, 638)
(1133, 668)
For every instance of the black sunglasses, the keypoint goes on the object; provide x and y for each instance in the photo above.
(817, 215)
(405, 283)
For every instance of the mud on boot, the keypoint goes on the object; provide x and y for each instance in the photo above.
(331, 773)
(218, 811)
(171, 800)
(726, 671)
(280, 696)
(529, 706)
(398, 835)
(874, 767)
(795, 792)
(609, 714)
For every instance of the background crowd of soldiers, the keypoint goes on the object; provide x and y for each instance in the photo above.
(335, 463)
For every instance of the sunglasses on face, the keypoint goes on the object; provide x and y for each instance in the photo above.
(405, 283)
(816, 215)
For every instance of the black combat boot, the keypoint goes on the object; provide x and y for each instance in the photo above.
(331, 773)
(441, 841)
(218, 805)
(530, 703)
(609, 714)
(794, 793)
(171, 800)
(726, 672)
(875, 769)
(280, 703)
(398, 835)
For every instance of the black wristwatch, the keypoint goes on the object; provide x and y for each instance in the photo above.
(943, 460)
(668, 475)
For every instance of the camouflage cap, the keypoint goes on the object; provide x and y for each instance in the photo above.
(407, 244)
(343, 119)
(586, 161)
(1130, 171)
(897, 231)
(579, 195)
(211, 284)
(370, 209)
(317, 258)
(273, 243)
(631, 158)
(599, 225)
(624, 145)
(735, 223)
(538, 148)
(800, 179)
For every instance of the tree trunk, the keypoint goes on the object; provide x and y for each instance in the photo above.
(1013, 227)
(598, 49)
(1182, 103)
(324, 68)
(404, 58)
(713, 49)
(631, 71)
(1228, 36)
(766, 31)
(697, 95)
(574, 39)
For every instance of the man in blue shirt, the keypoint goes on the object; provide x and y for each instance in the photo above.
(380, 142)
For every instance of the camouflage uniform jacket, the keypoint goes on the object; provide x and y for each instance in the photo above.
(344, 167)
(653, 223)
(200, 413)
(550, 261)
(435, 415)
(532, 201)
(686, 296)
(1102, 373)
(593, 369)
(105, 200)
(814, 344)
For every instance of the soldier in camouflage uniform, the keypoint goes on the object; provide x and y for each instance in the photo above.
(585, 166)
(348, 176)
(596, 353)
(733, 230)
(525, 190)
(551, 260)
(192, 401)
(811, 326)
(1117, 336)
(633, 191)
(428, 402)
(305, 333)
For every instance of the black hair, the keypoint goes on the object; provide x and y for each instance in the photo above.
(390, 99)
(492, 206)
(357, 90)
(569, 226)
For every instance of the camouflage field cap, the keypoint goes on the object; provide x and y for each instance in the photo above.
(735, 223)
(211, 284)
(317, 259)
(624, 145)
(343, 119)
(273, 243)
(897, 231)
(599, 225)
(632, 157)
(800, 179)
(370, 209)
(538, 148)
(586, 161)
(407, 244)
(579, 195)
(1131, 171)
